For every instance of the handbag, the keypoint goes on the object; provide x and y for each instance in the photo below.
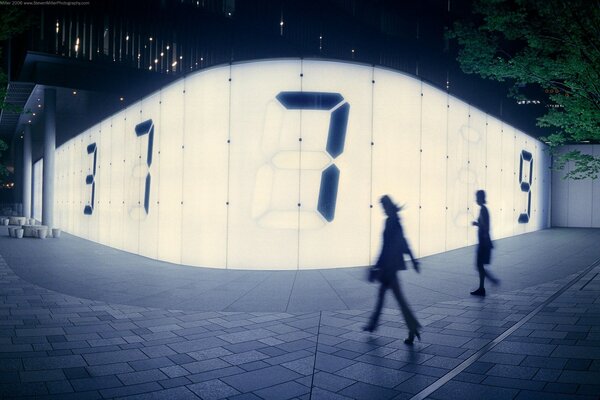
(373, 274)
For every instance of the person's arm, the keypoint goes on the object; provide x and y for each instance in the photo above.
(408, 251)
(484, 219)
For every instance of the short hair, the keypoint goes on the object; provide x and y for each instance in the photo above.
(480, 195)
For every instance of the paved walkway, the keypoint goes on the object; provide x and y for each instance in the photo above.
(536, 336)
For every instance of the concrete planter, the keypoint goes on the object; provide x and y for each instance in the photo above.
(42, 233)
(55, 233)
(19, 233)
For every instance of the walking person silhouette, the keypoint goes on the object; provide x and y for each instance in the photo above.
(390, 261)
(485, 246)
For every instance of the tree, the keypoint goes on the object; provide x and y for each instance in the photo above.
(549, 48)
(13, 20)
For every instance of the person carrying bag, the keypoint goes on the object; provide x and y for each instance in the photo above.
(391, 260)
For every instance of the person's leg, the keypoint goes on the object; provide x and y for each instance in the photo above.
(481, 271)
(482, 274)
(409, 317)
(378, 306)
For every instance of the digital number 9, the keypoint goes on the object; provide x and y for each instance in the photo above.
(525, 181)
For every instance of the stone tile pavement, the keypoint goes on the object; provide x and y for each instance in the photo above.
(537, 342)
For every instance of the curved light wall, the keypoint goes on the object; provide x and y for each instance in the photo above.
(280, 164)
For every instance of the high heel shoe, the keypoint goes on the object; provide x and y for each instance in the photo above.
(411, 337)
(369, 328)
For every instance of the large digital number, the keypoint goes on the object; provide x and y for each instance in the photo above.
(336, 136)
(90, 179)
(525, 181)
(142, 170)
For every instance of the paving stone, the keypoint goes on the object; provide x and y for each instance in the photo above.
(578, 364)
(591, 390)
(471, 391)
(111, 357)
(530, 395)
(581, 377)
(302, 366)
(561, 387)
(130, 390)
(179, 393)
(331, 363)
(363, 391)
(174, 371)
(544, 362)
(95, 383)
(283, 391)
(46, 363)
(134, 378)
(59, 387)
(513, 383)
(245, 357)
(512, 371)
(41, 376)
(415, 384)
(212, 390)
(214, 374)
(469, 377)
(108, 369)
(151, 363)
(374, 375)
(245, 396)
(174, 382)
(9, 377)
(322, 394)
(501, 358)
(331, 382)
(255, 380)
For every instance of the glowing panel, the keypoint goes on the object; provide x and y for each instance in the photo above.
(281, 164)
(493, 179)
(344, 134)
(134, 176)
(434, 136)
(169, 135)
(396, 152)
(145, 205)
(475, 136)
(90, 172)
(205, 162)
(460, 178)
(510, 188)
(118, 216)
(103, 179)
(263, 196)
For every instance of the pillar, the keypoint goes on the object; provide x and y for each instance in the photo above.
(27, 170)
(49, 149)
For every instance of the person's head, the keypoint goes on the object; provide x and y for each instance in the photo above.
(388, 205)
(480, 197)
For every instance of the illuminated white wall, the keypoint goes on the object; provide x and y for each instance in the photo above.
(576, 203)
(38, 176)
(280, 165)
